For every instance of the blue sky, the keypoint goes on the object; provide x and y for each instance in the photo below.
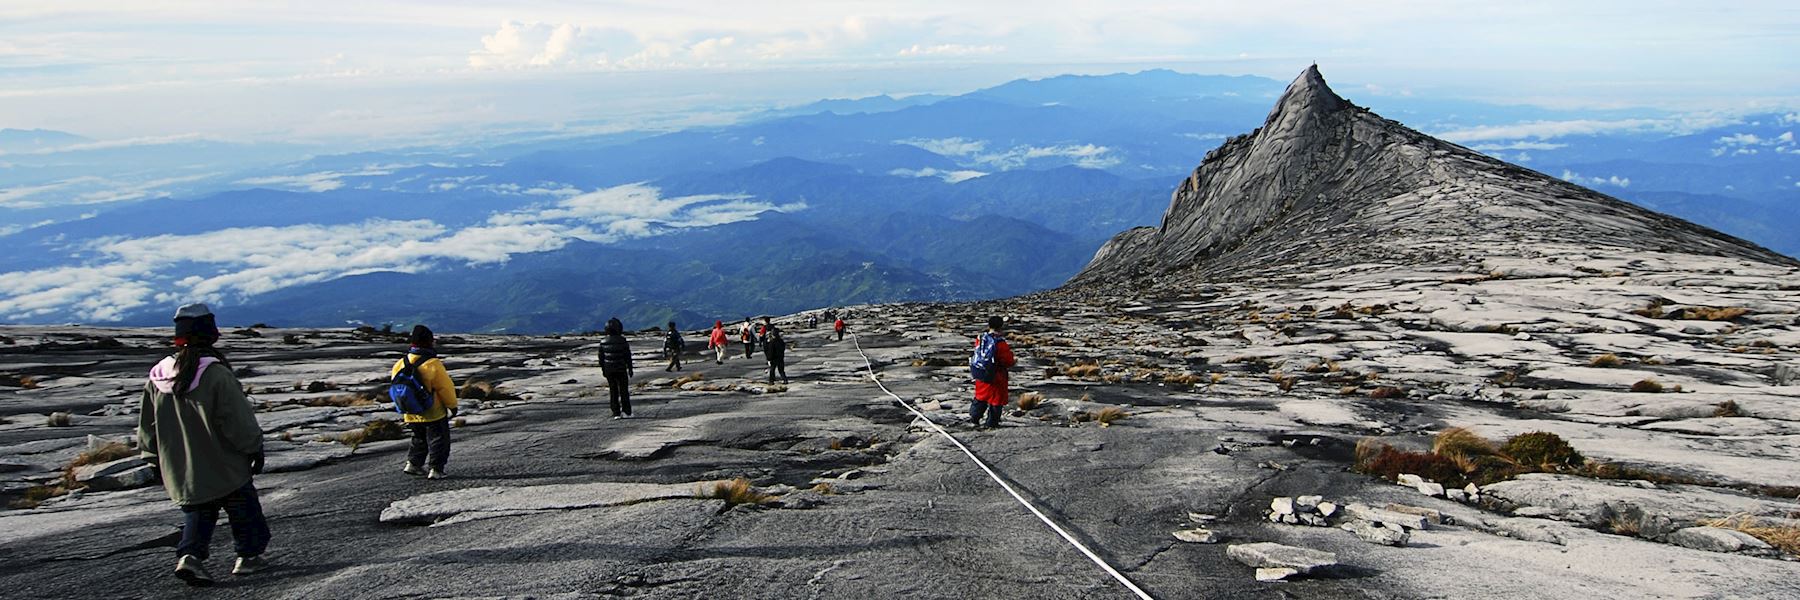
(405, 71)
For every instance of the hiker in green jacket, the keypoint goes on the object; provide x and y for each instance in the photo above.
(196, 427)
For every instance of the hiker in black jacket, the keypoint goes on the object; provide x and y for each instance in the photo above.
(672, 346)
(774, 349)
(615, 363)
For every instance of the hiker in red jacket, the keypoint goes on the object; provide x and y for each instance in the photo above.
(839, 327)
(991, 396)
(718, 343)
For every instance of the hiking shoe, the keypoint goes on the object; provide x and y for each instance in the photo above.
(249, 564)
(435, 474)
(191, 569)
(411, 469)
(627, 415)
(617, 417)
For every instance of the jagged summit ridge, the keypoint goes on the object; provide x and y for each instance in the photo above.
(1324, 181)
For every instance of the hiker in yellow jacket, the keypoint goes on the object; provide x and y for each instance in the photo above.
(430, 430)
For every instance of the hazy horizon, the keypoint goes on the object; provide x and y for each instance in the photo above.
(356, 76)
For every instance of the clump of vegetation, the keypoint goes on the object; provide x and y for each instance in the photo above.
(1030, 400)
(1647, 386)
(1386, 391)
(106, 453)
(35, 495)
(1217, 377)
(1348, 390)
(1108, 415)
(1654, 310)
(735, 492)
(1784, 537)
(19, 381)
(59, 419)
(687, 379)
(933, 361)
(1606, 361)
(824, 488)
(1184, 378)
(1708, 313)
(477, 389)
(1544, 450)
(379, 430)
(341, 400)
(1324, 367)
(1083, 370)
(1389, 463)
(1728, 408)
(1283, 380)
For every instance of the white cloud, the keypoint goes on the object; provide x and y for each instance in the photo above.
(1611, 180)
(1748, 144)
(1084, 155)
(950, 50)
(125, 274)
(1520, 145)
(322, 181)
(1205, 137)
(1544, 130)
(955, 176)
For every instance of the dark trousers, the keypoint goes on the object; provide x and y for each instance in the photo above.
(249, 529)
(674, 360)
(749, 349)
(618, 391)
(840, 333)
(430, 444)
(993, 413)
(777, 364)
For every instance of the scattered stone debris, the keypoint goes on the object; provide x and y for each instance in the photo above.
(1276, 562)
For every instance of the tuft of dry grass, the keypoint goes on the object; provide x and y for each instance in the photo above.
(477, 389)
(109, 452)
(341, 400)
(1030, 400)
(1366, 450)
(59, 419)
(1217, 377)
(1462, 441)
(1606, 361)
(1784, 537)
(933, 361)
(1708, 313)
(379, 430)
(687, 379)
(35, 495)
(1324, 367)
(824, 488)
(734, 492)
(1083, 370)
(1654, 310)
(1386, 391)
(1728, 408)
(1108, 415)
(1283, 380)
(19, 381)
(1184, 378)
(1647, 386)
(1348, 390)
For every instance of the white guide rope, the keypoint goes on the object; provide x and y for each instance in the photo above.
(997, 479)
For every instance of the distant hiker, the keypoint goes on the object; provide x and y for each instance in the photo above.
(615, 364)
(718, 342)
(422, 370)
(774, 349)
(199, 431)
(747, 335)
(993, 357)
(839, 327)
(672, 346)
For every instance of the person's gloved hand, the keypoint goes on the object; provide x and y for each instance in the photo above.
(454, 411)
(256, 463)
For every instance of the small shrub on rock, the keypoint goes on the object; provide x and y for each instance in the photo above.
(1647, 386)
(1728, 408)
(1386, 391)
(1605, 361)
(1390, 463)
(1107, 415)
(1030, 400)
(1459, 441)
(1542, 449)
(735, 492)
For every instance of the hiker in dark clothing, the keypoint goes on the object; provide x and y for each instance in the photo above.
(672, 346)
(199, 432)
(615, 364)
(774, 349)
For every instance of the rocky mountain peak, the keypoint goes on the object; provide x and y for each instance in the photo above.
(1324, 182)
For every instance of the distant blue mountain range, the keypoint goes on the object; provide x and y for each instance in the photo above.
(996, 192)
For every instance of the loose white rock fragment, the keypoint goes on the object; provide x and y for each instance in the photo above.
(1430, 488)
(1198, 535)
(1282, 506)
(1386, 517)
(1275, 574)
(1308, 502)
(1270, 555)
(1377, 534)
(1409, 480)
(1327, 509)
(1716, 539)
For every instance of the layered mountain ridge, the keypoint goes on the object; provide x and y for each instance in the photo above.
(1339, 184)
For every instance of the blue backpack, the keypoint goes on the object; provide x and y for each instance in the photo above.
(981, 366)
(410, 395)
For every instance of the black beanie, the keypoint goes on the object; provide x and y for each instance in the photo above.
(996, 323)
(195, 320)
(421, 337)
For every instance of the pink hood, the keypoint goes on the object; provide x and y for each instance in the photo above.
(163, 374)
